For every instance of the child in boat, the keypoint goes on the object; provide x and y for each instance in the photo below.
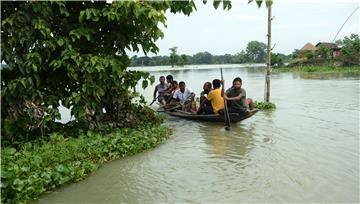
(185, 97)
(215, 98)
(159, 89)
(237, 96)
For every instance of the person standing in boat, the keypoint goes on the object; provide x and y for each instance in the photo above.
(215, 98)
(160, 90)
(237, 97)
(184, 96)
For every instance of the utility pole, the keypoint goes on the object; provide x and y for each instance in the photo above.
(268, 70)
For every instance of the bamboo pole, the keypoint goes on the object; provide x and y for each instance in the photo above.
(268, 70)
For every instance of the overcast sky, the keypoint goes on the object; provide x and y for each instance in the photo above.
(296, 22)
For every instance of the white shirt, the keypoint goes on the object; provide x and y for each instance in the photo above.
(183, 96)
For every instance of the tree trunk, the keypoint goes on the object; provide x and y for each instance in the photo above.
(268, 70)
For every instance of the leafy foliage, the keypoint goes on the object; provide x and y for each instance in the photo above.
(259, 2)
(174, 57)
(184, 59)
(40, 166)
(350, 49)
(350, 45)
(277, 59)
(203, 58)
(74, 54)
(323, 52)
(256, 51)
(264, 105)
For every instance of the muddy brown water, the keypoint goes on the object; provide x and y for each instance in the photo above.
(307, 150)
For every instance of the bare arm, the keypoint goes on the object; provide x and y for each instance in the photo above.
(168, 89)
(156, 88)
(238, 97)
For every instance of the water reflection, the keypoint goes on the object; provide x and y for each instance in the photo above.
(230, 145)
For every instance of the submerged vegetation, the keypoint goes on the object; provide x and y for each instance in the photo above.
(42, 165)
(264, 105)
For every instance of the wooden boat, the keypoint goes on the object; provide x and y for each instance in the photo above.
(234, 117)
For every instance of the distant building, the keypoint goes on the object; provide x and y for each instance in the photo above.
(308, 46)
(336, 51)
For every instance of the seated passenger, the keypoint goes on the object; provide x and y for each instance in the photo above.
(185, 97)
(214, 96)
(206, 89)
(159, 89)
(169, 80)
(175, 88)
(237, 96)
(203, 102)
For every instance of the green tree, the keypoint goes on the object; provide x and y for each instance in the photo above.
(277, 59)
(323, 52)
(185, 59)
(174, 57)
(74, 54)
(240, 57)
(203, 58)
(295, 54)
(133, 60)
(350, 45)
(256, 51)
(308, 54)
(350, 49)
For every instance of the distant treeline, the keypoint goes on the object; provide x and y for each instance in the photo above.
(255, 53)
(200, 58)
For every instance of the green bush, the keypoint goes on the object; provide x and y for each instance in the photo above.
(39, 166)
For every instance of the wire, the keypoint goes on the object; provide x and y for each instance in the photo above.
(344, 23)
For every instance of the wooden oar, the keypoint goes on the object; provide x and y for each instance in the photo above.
(154, 100)
(227, 117)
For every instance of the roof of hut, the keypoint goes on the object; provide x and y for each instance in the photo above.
(308, 46)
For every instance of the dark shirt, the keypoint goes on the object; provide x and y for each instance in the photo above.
(237, 104)
(203, 96)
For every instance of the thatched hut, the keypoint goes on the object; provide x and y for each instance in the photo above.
(308, 46)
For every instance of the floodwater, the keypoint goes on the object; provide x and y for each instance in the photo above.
(307, 150)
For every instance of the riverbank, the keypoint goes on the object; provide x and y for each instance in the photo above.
(318, 69)
(40, 166)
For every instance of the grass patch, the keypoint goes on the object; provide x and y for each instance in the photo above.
(316, 69)
(39, 166)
